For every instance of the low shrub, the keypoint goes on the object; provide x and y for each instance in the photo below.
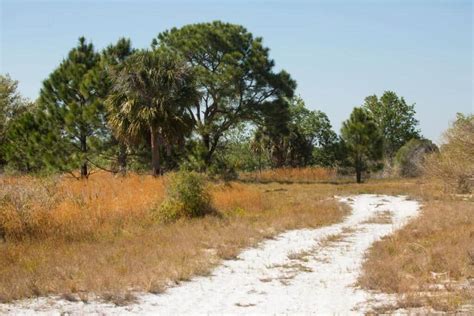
(410, 157)
(454, 165)
(187, 196)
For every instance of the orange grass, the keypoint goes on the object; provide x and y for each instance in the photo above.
(74, 237)
(72, 209)
(66, 236)
(307, 174)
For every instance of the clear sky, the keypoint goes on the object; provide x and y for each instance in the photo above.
(338, 51)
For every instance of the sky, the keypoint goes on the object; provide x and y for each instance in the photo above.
(339, 52)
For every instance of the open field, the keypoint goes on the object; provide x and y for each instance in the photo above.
(76, 237)
(302, 271)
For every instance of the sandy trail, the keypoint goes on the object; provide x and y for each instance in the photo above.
(308, 271)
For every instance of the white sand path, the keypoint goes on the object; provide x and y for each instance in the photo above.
(307, 271)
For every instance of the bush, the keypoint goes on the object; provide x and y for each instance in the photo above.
(222, 169)
(24, 209)
(410, 157)
(454, 164)
(187, 196)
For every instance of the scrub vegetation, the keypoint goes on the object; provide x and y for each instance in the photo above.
(137, 169)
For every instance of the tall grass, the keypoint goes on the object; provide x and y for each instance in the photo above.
(307, 174)
(75, 210)
(99, 235)
(438, 243)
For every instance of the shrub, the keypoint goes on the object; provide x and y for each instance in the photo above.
(24, 209)
(222, 169)
(454, 164)
(187, 196)
(410, 157)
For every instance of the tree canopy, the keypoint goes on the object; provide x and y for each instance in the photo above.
(150, 95)
(395, 119)
(204, 96)
(295, 136)
(234, 76)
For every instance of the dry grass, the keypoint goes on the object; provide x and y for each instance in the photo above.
(383, 217)
(437, 243)
(73, 237)
(300, 175)
(100, 207)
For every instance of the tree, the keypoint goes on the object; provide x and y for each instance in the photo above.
(149, 97)
(30, 143)
(312, 138)
(362, 141)
(272, 133)
(11, 106)
(112, 60)
(234, 76)
(72, 99)
(395, 119)
(292, 133)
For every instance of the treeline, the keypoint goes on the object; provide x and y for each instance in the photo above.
(204, 97)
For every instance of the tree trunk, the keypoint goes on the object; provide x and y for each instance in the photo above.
(206, 141)
(155, 152)
(84, 171)
(122, 158)
(358, 175)
(358, 167)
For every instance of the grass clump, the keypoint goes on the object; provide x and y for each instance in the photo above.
(187, 196)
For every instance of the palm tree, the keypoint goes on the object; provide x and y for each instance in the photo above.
(150, 95)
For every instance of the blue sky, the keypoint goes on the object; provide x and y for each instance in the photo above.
(338, 51)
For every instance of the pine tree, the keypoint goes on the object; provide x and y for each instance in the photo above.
(363, 141)
(234, 76)
(11, 106)
(71, 99)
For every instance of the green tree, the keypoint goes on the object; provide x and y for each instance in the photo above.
(112, 60)
(312, 138)
(234, 76)
(395, 119)
(30, 143)
(11, 106)
(293, 133)
(72, 98)
(271, 136)
(362, 141)
(149, 98)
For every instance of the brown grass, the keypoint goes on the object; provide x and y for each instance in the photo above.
(437, 243)
(299, 175)
(382, 217)
(74, 237)
(75, 210)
